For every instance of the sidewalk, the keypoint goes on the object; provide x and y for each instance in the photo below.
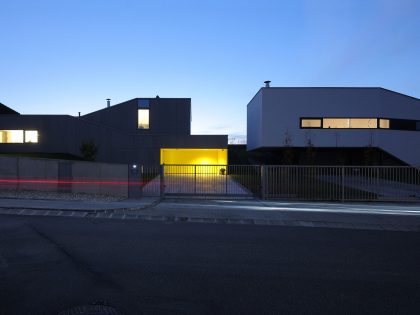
(367, 216)
(79, 205)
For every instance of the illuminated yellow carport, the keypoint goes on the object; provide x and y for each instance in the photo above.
(193, 156)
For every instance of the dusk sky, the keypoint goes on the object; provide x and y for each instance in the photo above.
(62, 57)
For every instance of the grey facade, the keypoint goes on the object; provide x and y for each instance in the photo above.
(114, 130)
(297, 116)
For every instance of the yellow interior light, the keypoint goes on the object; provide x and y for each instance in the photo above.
(172, 156)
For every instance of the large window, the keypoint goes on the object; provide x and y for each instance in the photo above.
(31, 136)
(311, 123)
(360, 123)
(384, 123)
(18, 136)
(340, 123)
(345, 123)
(11, 136)
(143, 117)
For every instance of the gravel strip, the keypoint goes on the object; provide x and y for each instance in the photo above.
(48, 195)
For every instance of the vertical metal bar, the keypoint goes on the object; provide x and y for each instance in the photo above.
(342, 183)
(162, 180)
(263, 186)
(226, 180)
(377, 175)
(195, 179)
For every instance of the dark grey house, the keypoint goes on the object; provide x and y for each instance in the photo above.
(141, 130)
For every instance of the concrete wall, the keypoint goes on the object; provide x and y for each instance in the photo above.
(282, 108)
(112, 178)
(64, 175)
(8, 171)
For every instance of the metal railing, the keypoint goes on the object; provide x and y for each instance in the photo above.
(327, 183)
(345, 183)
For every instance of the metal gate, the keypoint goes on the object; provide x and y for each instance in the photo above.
(198, 180)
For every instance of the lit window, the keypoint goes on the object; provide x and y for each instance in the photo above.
(11, 136)
(143, 119)
(336, 123)
(346, 123)
(384, 123)
(31, 136)
(365, 123)
(310, 123)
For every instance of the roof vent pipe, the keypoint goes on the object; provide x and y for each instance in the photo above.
(108, 102)
(267, 84)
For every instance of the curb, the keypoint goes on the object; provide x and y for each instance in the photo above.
(186, 220)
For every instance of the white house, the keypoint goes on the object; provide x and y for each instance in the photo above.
(328, 117)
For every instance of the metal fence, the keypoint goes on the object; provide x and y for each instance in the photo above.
(345, 183)
(329, 183)
(333, 183)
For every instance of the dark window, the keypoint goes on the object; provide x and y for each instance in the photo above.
(402, 124)
(143, 104)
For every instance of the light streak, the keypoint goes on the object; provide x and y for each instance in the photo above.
(71, 182)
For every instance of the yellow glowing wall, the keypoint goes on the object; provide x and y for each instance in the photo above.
(194, 156)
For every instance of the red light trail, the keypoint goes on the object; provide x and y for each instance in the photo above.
(71, 182)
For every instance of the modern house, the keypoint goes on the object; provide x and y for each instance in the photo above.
(299, 117)
(148, 131)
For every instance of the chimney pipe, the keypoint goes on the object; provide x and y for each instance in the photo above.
(267, 84)
(108, 102)
(79, 114)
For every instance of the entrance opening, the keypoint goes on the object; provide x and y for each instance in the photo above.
(195, 157)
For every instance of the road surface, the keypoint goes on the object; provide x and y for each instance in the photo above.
(49, 264)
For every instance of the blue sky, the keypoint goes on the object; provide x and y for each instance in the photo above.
(66, 56)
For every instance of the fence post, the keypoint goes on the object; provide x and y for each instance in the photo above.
(195, 179)
(263, 184)
(141, 182)
(226, 179)
(342, 183)
(162, 180)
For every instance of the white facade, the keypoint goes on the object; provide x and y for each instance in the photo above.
(274, 119)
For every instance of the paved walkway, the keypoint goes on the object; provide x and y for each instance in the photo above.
(200, 184)
(88, 206)
(381, 187)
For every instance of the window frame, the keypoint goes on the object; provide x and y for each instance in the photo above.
(148, 118)
(24, 136)
(30, 130)
(322, 123)
(311, 118)
(143, 104)
(379, 123)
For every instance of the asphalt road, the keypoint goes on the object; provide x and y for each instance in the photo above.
(49, 264)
